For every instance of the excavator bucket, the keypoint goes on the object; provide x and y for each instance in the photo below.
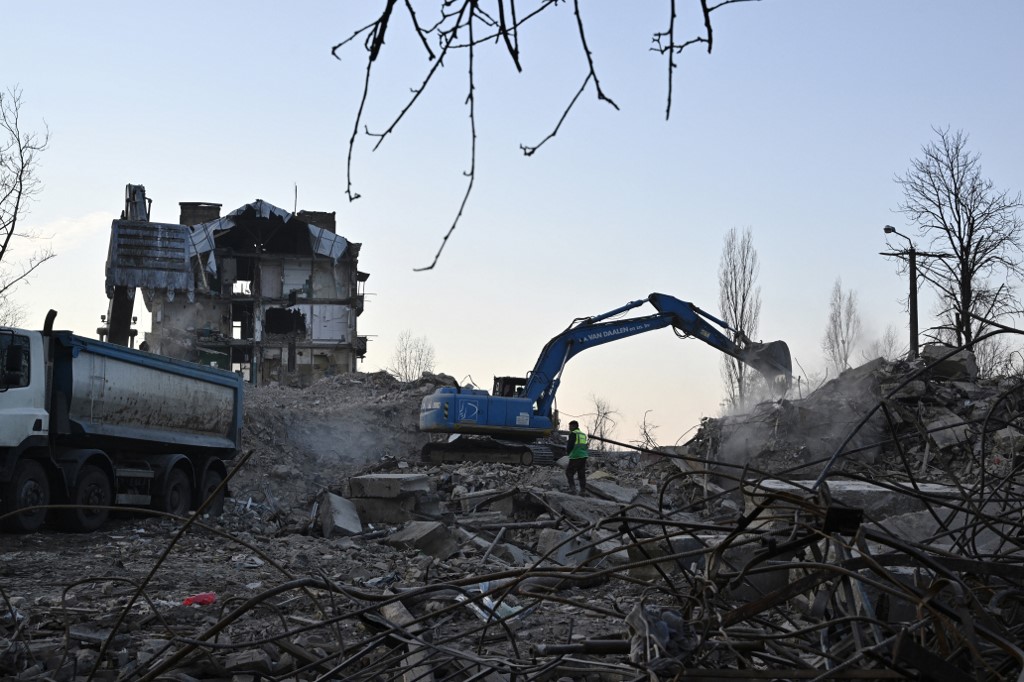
(773, 361)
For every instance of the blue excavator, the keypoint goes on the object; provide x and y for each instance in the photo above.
(510, 424)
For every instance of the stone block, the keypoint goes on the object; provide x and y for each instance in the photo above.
(383, 510)
(612, 491)
(254, 660)
(695, 550)
(564, 547)
(429, 537)
(339, 516)
(389, 485)
(512, 554)
(913, 390)
(959, 367)
(947, 429)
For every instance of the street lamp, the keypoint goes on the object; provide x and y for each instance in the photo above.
(911, 254)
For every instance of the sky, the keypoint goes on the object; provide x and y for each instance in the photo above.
(794, 127)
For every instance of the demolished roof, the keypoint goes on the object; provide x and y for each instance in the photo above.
(158, 256)
(267, 228)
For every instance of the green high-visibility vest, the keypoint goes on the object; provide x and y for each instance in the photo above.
(579, 450)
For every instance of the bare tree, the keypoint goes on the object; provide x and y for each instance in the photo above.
(995, 357)
(602, 420)
(412, 357)
(974, 230)
(461, 27)
(843, 328)
(647, 438)
(887, 346)
(19, 184)
(740, 303)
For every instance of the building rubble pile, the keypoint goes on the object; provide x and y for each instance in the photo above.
(870, 530)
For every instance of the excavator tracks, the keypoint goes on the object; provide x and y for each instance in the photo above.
(491, 450)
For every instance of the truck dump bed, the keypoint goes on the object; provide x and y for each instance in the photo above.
(121, 398)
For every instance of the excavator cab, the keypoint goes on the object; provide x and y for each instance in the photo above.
(509, 387)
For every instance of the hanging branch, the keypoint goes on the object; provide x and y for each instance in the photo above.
(509, 34)
(665, 41)
(591, 76)
(527, 150)
(471, 101)
(499, 25)
(590, 57)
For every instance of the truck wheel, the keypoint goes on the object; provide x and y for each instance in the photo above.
(92, 492)
(177, 496)
(212, 479)
(29, 487)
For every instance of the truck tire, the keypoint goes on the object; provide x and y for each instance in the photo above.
(93, 492)
(29, 487)
(177, 494)
(212, 479)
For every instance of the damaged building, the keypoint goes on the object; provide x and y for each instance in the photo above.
(268, 293)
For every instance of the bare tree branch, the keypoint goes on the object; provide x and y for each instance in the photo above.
(19, 184)
(529, 151)
(590, 56)
(471, 101)
(665, 41)
(501, 23)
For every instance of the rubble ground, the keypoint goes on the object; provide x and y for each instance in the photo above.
(870, 530)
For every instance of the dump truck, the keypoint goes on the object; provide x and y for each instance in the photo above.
(86, 425)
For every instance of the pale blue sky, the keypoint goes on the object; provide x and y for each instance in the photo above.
(794, 127)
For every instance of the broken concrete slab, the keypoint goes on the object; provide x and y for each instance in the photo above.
(415, 667)
(951, 528)
(429, 537)
(250, 660)
(946, 429)
(384, 510)
(339, 516)
(688, 554)
(491, 500)
(960, 366)
(612, 491)
(875, 500)
(390, 485)
(564, 547)
(586, 509)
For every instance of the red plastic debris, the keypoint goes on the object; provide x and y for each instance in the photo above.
(202, 599)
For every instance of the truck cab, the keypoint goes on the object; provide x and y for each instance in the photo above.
(23, 415)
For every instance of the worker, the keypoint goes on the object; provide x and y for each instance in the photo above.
(576, 448)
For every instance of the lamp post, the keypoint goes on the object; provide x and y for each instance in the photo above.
(912, 259)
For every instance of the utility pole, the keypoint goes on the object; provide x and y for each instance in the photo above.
(911, 254)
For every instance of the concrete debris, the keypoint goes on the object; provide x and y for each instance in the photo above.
(870, 529)
(338, 515)
(429, 537)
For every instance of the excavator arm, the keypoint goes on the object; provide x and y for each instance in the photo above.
(526, 412)
(772, 360)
